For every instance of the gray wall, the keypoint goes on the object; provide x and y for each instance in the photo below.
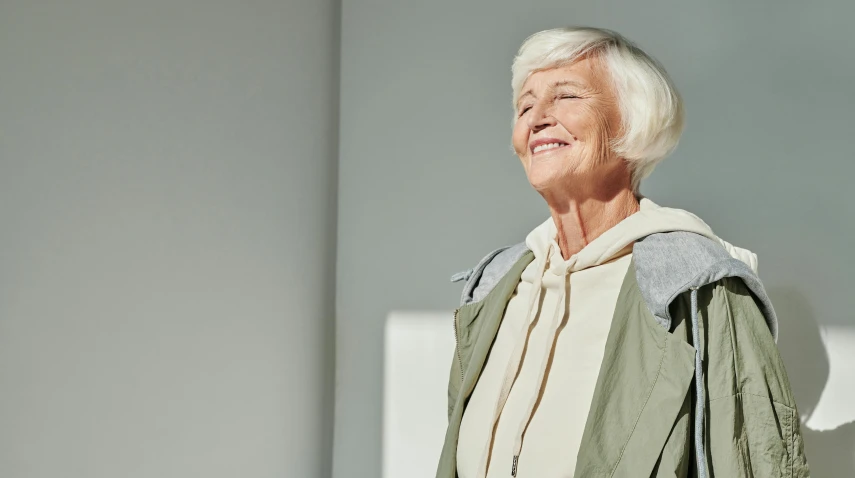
(428, 184)
(167, 200)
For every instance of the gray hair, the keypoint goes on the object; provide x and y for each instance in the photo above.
(650, 106)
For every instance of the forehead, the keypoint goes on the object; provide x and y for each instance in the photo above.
(585, 73)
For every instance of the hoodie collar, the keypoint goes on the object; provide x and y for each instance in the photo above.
(617, 240)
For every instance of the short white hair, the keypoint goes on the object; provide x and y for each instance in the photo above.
(650, 106)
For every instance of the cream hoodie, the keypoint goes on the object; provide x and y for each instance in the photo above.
(527, 412)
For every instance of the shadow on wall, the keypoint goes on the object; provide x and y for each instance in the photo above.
(830, 453)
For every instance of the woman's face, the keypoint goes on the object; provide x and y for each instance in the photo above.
(565, 119)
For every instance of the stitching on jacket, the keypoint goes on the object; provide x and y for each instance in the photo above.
(792, 449)
(643, 407)
(732, 333)
(783, 371)
(767, 397)
(730, 322)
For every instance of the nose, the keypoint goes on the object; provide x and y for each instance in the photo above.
(540, 117)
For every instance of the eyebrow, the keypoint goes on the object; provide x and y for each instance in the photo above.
(554, 85)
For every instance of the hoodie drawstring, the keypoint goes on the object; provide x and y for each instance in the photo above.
(700, 452)
(557, 318)
(514, 362)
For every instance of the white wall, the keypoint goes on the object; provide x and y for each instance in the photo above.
(428, 183)
(417, 356)
(167, 208)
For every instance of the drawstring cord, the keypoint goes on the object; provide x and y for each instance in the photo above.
(699, 389)
(514, 362)
(557, 319)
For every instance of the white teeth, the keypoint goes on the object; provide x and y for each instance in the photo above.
(546, 146)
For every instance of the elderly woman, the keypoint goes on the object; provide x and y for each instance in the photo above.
(622, 338)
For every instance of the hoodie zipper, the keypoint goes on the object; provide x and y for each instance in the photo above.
(457, 346)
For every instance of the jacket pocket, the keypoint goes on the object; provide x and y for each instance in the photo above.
(750, 435)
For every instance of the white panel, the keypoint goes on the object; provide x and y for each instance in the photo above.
(418, 351)
(835, 404)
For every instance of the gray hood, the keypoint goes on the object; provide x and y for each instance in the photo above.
(668, 264)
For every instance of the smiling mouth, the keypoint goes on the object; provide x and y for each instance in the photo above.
(548, 147)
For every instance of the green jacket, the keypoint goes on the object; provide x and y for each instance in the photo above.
(642, 417)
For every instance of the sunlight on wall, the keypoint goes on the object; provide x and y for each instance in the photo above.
(835, 407)
(418, 351)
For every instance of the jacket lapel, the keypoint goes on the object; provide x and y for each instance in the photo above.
(642, 384)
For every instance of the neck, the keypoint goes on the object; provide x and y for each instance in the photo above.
(581, 219)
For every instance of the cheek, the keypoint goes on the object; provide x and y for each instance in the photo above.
(601, 118)
(597, 124)
(583, 121)
(519, 139)
(597, 130)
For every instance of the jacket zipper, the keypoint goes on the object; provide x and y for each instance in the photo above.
(457, 346)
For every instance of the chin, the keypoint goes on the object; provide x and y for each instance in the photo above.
(543, 180)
